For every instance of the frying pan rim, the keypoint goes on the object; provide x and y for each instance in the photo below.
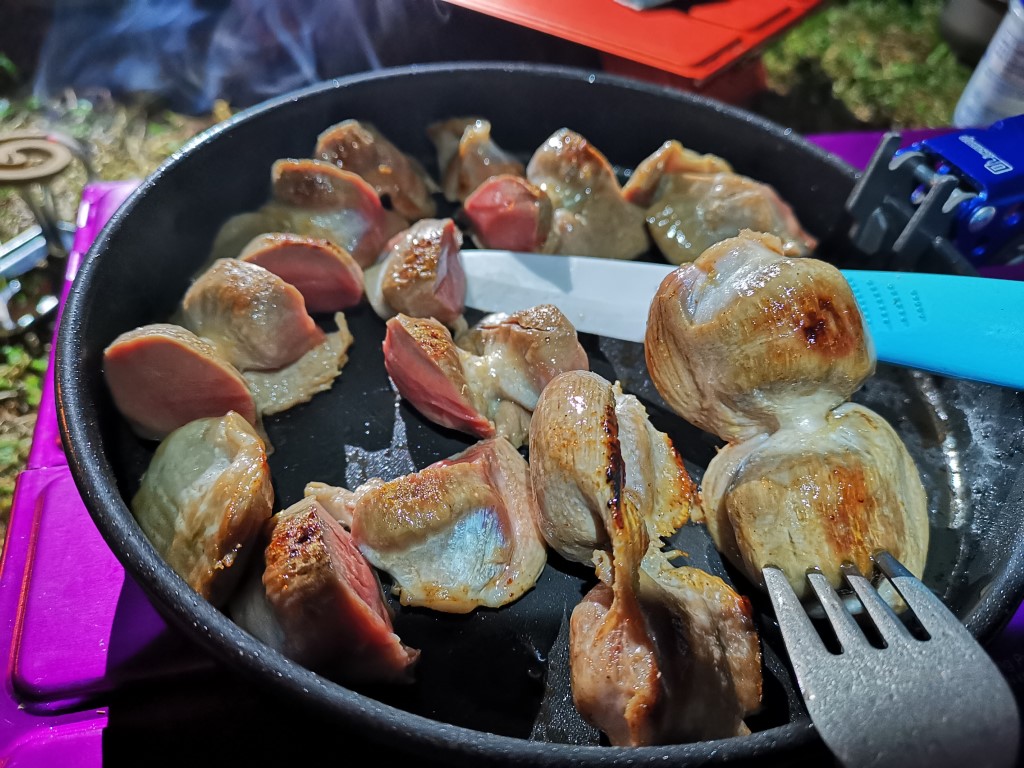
(95, 479)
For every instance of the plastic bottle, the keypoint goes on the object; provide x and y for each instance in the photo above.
(996, 89)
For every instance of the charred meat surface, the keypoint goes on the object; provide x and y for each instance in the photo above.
(327, 276)
(694, 201)
(363, 150)
(745, 340)
(162, 377)
(419, 274)
(328, 602)
(593, 448)
(838, 490)
(458, 535)
(203, 501)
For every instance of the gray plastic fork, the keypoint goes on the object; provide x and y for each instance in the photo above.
(935, 702)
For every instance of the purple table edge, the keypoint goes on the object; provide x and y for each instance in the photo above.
(49, 680)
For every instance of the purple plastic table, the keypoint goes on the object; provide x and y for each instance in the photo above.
(75, 631)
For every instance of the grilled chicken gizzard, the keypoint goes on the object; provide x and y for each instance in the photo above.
(361, 149)
(570, 202)
(458, 535)
(694, 201)
(832, 490)
(255, 319)
(468, 156)
(419, 274)
(204, 499)
(487, 382)
(162, 377)
(317, 199)
(327, 276)
(746, 340)
(658, 653)
(320, 603)
(583, 430)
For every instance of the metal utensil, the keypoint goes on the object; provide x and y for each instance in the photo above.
(934, 702)
(964, 327)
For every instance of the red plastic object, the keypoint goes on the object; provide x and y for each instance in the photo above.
(695, 44)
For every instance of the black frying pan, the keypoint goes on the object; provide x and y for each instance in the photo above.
(482, 678)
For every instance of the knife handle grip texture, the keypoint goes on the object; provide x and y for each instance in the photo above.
(969, 328)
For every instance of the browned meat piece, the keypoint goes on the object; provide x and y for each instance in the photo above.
(694, 201)
(591, 217)
(836, 489)
(327, 276)
(490, 383)
(525, 350)
(328, 601)
(575, 463)
(203, 500)
(255, 319)
(657, 483)
(746, 340)
(509, 212)
(426, 367)
(419, 274)
(660, 655)
(316, 198)
(162, 377)
(467, 156)
(361, 149)
(583, 432)
(458, 535)
(315, 371)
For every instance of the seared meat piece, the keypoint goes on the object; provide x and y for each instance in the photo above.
(361, 149)
(203, 500)
(707, 642)
(328, 602)
(694, 201)
(490, 383)
(458, 535)
(467, 156)
(318, 198)
(162, 377)
(575, 463)
(315, 371)
(524, 351)
(591, 217)
(419, 274)
(745, 340)
(657, 483)
(327, 276)
(426, 367)
(511, 213)
(833, 490)
(584, 431)
(658, 654)
(256, 320)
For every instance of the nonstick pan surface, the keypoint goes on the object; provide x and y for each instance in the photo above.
(491, 686)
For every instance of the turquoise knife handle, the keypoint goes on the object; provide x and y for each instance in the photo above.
(969, 328)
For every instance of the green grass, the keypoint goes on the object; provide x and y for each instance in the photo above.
(886, 61)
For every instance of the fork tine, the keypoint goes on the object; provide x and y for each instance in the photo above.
(929, 610)
(798, 632)
(843, 624)
(882, 615)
